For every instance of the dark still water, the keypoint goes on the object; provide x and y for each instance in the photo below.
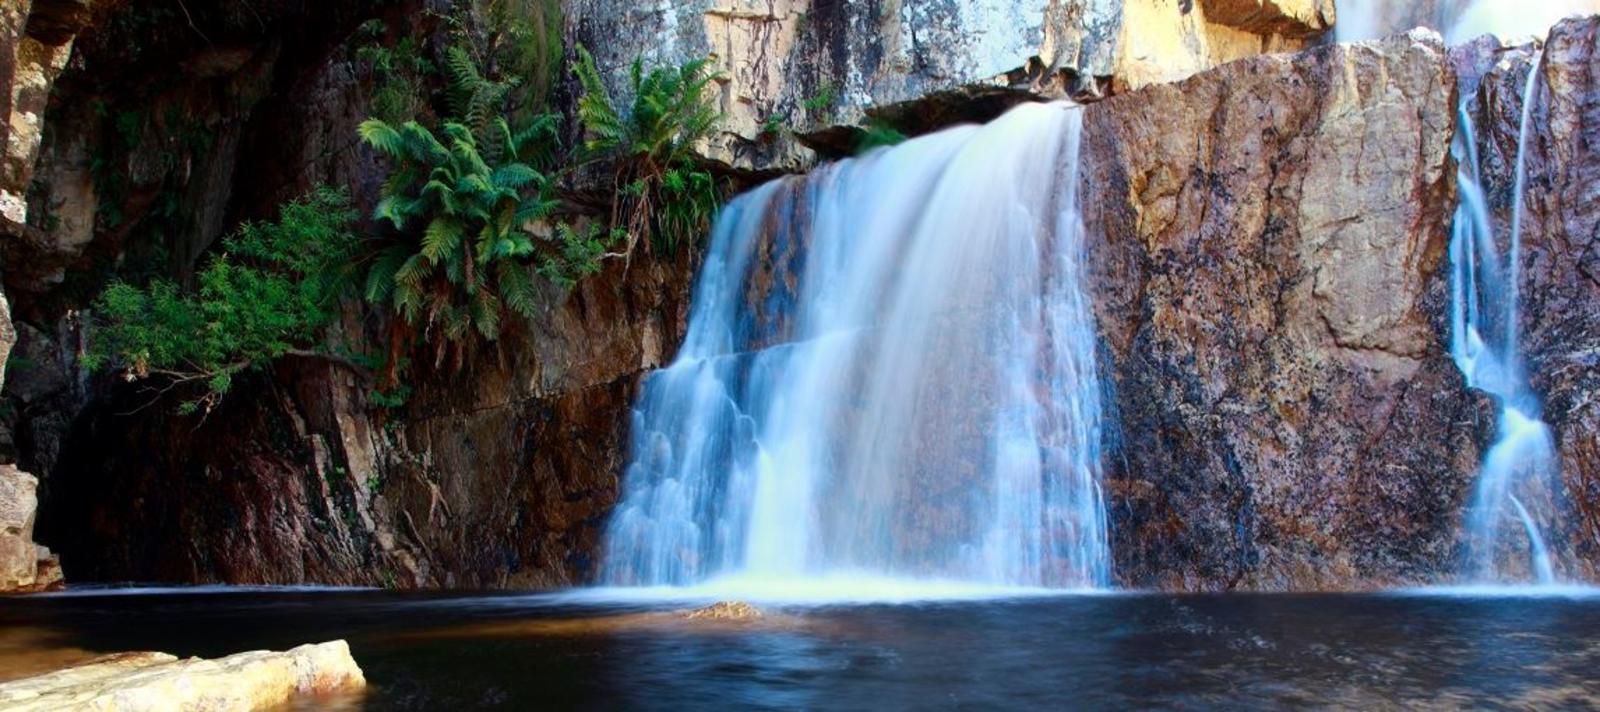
(445, 652)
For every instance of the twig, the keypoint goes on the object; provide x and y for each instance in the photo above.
(190, 19)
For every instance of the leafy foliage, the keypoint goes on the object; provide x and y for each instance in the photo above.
(660, 189)
(475, 100)
(268, 293)
(398, 72)
(878, 134)
(525, 40)
(822, 101)
(471, 259)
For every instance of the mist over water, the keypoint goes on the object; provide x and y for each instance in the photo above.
(889, 374)
(1458, 20)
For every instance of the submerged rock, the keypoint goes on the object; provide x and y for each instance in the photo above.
(724, 611)
(131, 682)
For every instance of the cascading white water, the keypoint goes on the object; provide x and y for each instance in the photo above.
(889, 373)
(1459, 20)
(1484, 344)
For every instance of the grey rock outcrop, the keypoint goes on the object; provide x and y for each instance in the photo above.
(35, 43)
(794, 67)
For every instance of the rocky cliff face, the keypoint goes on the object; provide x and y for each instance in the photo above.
(35, 43)
(798, 68)
(1270, 285)
(499, 475)
(1271, 289)
(161, 136)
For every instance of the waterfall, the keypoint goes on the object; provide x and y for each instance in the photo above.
(1485, 299)
(889, 373)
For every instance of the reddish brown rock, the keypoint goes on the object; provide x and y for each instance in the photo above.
(1271, 289)
(500, 474)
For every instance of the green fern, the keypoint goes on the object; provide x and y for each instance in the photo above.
(661, 189)
(472, 208)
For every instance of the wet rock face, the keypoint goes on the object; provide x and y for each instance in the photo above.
(500, 474)
(1271, 290)
(1560, 334)
(800, 66)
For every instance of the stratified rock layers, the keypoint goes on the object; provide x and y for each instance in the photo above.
(1271, 290)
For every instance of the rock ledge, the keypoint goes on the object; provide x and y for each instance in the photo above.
(157, 681)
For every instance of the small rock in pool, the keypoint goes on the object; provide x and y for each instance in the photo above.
(725, 611)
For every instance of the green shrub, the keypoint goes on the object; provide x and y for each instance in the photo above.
(269, 291)
(472, 258)
(877, 134)
(525, 38)
(821, 102)
(398, 73)
(659, 188)
(464, 202)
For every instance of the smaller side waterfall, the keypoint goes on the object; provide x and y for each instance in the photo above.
(1484, 343)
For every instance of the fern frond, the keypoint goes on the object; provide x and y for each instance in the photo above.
(513, 176)
(381, 275)
(486, 314)
(443, 236)
(382, 137)
(517, 290)
(412, 272)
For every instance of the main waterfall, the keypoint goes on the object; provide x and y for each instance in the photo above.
(889, 373)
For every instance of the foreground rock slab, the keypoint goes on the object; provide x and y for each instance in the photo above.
(157, 681)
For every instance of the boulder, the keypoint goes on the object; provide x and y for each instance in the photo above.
(131, 682)
(24, 565)
(1271, 287)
